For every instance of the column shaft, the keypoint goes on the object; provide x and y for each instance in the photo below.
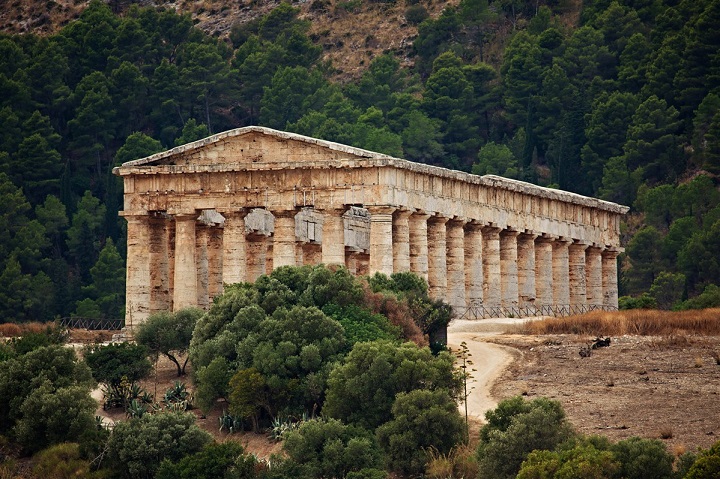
(491, 267)
(137, 282)
(234, 264)
(284, 238)
(215, 266)
(593, 269)
(578, 289)
(544, 273)
(159, 270)
(526, 270)
(561, 269)
(333, 237)
(185, 293)
(418, 236)
(401, 241)
(257, 256)
(609, 279)
(437, 257)
(202, 236)
(381, 247)
(473, 264)
(509, 268)
(456, 264)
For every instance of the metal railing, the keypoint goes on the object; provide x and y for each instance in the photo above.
(93, 323)
(477, 310)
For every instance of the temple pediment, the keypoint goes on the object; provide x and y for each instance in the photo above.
(254, 145)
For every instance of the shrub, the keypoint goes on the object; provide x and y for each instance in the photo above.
(643, 459)
(707, 464)
(416, 14)
(137, 447)
(709, 298)
(516, 428)
(214, 461)
(422, 420)
(62, 461)
(113, 362)
(644, 301)
(581, 461)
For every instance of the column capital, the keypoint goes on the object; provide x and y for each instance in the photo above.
(457, 221)
(510, 233)
(438, 219)
(529, 235)
(380, 210)
(579, 245)
(233, 212)
(420, 215)
(491, 231)
(474, 225)
(283, 212)
(402, 213)
(546, 238)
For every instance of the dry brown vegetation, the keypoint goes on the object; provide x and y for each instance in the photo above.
(637, 322)
(13, 330)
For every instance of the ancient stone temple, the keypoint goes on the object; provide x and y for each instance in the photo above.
(233, 206)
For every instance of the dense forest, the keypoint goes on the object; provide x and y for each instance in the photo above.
(623, 104)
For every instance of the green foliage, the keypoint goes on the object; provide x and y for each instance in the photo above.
(328, 448)
(514, 429)
(214, 461)
(113, 362)
(137, 447)
(707, 464)
(421, 420)
(643, 459)
(248, 394)
(583, 460)
(63, 461)
(667, 289)
(380, 370)
(644, 301)
(709, 298)
(494, 159)
(169, 334)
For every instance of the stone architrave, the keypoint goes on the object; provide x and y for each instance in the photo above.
(492, 294)
(509, 268)
(284, 238)
(333, 236)
(137, 279)
(381, 247)
(544, 273)
(473, 263)
(234, 264)
(526, 269)
(186, 292)
(593, 269)
(437, 257)
(456, 264)
(609, 278)
(561, 274)
(577, 276)
(401, 241)
(418, 237)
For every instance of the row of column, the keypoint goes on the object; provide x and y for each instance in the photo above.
(465, 262)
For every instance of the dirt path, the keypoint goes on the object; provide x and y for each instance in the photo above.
(489, 360)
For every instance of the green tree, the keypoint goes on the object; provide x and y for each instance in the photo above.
(329, 448)
(248, 395)
(380, 370)
(667, 289)
(292, 93)
(582, 460)
(137, 447)
(192, 131)
(514, 429)
(169, 334)
(85, 235)
(422, 420)
(707, 464)
(113, 362)
(214, 461)
(644, 253)
(494, 159)
(643, 459)
(108, 285)
(137, 145)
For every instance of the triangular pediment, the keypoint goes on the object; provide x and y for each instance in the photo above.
(254, 145)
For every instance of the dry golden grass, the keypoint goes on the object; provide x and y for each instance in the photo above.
(10, 330)
(642, 322)
(460, 462)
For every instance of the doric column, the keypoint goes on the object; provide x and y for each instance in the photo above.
(418, 233)
(234, 264)
(401, 241)
(284, 238)
(185, 293)
(202, 237)
(561, 273)
(609, 278)
(491, 267)
(160, 269)
(544, 273)
(215, 266)
(473, 263)
(509, 268)
(437, 257)
(257, 248)
(137, 282)
(593, 269)
(526, 269)
(576, 263)
(381, 247)
(333, 236)
(456, 264)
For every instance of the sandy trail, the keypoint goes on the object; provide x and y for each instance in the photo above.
(489, 360)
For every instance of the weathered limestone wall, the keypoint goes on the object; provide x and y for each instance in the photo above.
(236, 205)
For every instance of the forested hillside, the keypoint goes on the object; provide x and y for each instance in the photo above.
(623, 104)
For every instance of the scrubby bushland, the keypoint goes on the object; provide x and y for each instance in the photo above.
(364, 387)
(516, 428)
(137, 447)
(214, 461)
